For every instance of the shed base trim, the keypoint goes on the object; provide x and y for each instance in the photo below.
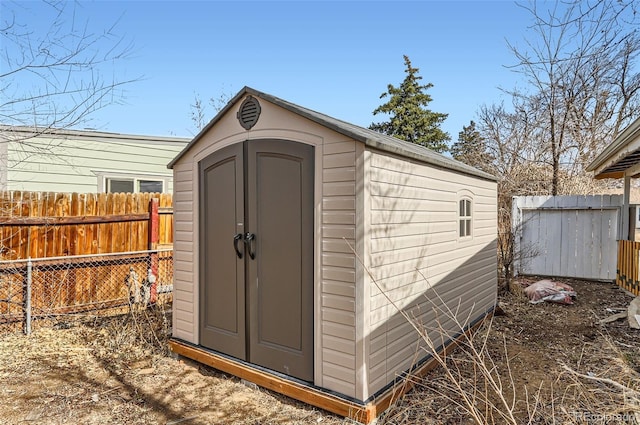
(364, 413)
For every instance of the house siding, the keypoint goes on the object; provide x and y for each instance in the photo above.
(417, 259)
(77, 163)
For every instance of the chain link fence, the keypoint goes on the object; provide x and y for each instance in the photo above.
(57, 290)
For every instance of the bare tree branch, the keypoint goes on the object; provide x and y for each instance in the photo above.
(57, 75)
(580, 69)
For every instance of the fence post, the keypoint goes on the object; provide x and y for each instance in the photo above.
(154, 237)
(516, 229)
(27, 299)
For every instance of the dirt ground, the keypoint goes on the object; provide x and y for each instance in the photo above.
(107, 372)
(535, 353)
(117, 371)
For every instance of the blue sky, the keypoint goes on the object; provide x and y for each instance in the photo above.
(333, 57)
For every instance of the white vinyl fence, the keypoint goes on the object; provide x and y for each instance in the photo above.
(567, 236)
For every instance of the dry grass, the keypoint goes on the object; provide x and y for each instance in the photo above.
(538, 364)
(117, 371)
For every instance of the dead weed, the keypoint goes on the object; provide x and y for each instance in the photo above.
(556, 364)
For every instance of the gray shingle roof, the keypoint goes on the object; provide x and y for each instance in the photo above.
(368, 137)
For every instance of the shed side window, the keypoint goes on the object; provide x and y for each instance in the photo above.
(464, 218)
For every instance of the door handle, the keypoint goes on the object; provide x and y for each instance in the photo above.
(248, 239)
(237, 238)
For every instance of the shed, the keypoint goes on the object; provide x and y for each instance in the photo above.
(284, 217)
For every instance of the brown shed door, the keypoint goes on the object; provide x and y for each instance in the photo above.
(222, 289)
(278, 256)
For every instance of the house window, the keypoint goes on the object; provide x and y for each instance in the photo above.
(132, 185)
(150, 186)
(464, 218)
(119, 185)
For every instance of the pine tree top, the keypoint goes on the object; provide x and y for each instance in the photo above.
(409, 116)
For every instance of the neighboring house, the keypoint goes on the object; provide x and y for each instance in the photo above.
(284, 217)
(621, 160)
(85, 161)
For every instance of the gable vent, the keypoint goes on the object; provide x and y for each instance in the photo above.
(249, 112)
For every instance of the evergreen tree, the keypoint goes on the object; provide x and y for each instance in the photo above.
(409, 118)
(471, 148)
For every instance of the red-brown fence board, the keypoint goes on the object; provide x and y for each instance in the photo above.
(39, 224)
(44, 225)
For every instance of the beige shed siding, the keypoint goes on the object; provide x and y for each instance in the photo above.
(185, 285)
(78, 164)
(335, 291)
(415, 252)
(339, 267)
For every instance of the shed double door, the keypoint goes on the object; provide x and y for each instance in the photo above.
(256, 264)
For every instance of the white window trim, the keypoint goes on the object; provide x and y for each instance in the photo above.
(465, 217)
(104, 176)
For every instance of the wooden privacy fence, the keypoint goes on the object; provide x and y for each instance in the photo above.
(69, 253)
(627, 275)
(38, 224)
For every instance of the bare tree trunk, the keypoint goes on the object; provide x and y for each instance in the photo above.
(555, 179)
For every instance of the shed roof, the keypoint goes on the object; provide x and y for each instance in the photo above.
(368, 137)
(621, 157)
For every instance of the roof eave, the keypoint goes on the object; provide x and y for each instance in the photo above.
(88, 134)
(334, 124)
(276, 101)
(448, 165)
(462, 168)
(599, 164)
